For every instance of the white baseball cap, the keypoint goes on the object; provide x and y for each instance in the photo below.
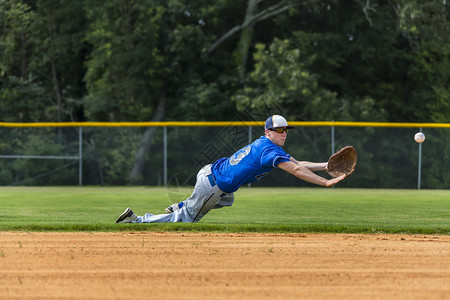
(277, 121)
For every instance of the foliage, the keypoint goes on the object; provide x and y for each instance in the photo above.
(384, 60)
(114, 60)
(425, 26)
(125, 69)
(280, 78)
(42, 57)
(16, 18)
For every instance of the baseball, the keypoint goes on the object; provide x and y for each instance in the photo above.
(419, 137)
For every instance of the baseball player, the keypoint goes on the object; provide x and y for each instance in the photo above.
(217, 182)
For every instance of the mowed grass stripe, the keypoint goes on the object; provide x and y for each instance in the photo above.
(333, 210)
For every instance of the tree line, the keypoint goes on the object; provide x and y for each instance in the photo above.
(157, 60)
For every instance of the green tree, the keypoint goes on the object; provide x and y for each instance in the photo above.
(381, 60)
(425, 29)
(41, 60)
(58, 56)
(126, 70)
(281, 78)
(146, 56)
(20, 95)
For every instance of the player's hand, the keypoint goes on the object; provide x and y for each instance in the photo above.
(333, 181)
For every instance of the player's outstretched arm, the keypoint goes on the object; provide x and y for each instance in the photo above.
(306, 174)
(310, 165)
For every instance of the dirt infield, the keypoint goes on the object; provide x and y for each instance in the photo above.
(152, 265)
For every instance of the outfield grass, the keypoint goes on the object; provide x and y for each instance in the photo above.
(255, 210)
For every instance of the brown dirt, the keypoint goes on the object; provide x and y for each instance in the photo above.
(158, 265)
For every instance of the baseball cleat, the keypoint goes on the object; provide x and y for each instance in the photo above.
(127, 216)
(172, 208)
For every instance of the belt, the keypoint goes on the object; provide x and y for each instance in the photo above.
(211, 179)
(213, 183)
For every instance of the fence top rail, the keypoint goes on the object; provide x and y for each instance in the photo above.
(223, 124)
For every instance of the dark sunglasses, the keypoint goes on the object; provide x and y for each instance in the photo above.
(279, 130)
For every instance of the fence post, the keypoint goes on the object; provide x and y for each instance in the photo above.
(332, 143)
(419, 171)
(165, 156)
(249, 141)
(332, 139)
(80, 156)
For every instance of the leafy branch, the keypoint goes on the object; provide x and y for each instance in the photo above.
(271, 11)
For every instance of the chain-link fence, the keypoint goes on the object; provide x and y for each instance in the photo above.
(388, 157)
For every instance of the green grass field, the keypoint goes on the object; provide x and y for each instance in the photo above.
(255, 210)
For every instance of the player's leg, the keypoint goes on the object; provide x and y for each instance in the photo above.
(205, 196)
(188, 211)
(129, 217)
(174, 207)
(226, 200)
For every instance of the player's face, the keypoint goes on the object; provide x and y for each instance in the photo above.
(277, 136)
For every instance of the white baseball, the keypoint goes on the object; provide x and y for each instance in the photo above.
(419, 137)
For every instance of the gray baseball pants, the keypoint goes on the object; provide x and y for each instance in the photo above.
(206, 196)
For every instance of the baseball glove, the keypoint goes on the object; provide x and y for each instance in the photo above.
(342, 162)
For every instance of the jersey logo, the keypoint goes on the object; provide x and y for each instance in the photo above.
(240, 155)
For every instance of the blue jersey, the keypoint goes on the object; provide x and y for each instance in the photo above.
(248, 165)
